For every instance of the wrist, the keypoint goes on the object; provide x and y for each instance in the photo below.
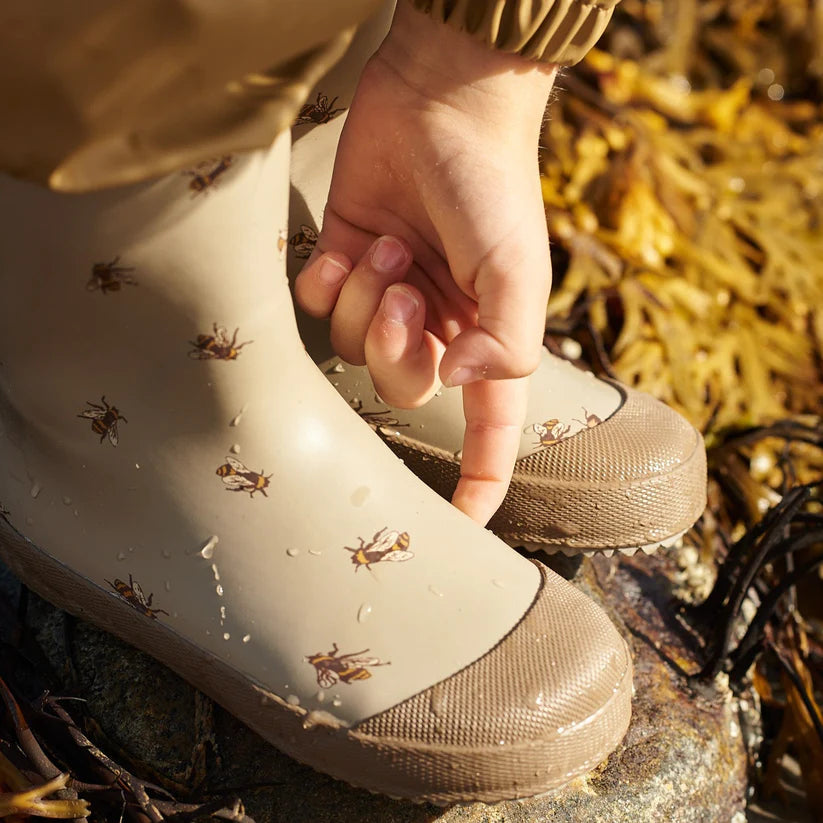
(444, 64)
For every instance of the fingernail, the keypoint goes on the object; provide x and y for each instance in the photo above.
(399, 304)
(464, 375)
(388, 254)
(331, 272)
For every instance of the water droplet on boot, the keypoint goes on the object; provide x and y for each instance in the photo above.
(320, 696)
(246, 638)
(215, 572)
(67, 501)
(337, 701)
(207, 551)
(121, 556)
(226, 636)
(293, 700)
(167, 585)
(219, 590)
(360, 495)
(292, 552)
(338, 368)
(499, 583)
(364, 612)
(315, 552)
(222, 612)
(36, 488)
(234, 448)
(235, 421)
(435, 591)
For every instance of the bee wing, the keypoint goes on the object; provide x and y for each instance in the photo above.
(235, 464)
(539, 429)
(201, 354)
(359, 660)
(138, 593)
(311, 234)
(326, 678)
(385, 542)
(221, 336)
(233, 481)
(397, 556)
(92, 414)
(113, 436)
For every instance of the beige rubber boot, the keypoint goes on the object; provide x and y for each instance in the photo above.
(175, 469)
(601, 467)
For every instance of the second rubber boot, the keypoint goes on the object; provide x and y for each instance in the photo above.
(174, 468)
(601, 467)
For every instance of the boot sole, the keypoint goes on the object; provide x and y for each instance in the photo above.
(386, 766)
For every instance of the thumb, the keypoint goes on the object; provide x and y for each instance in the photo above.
(511, 288)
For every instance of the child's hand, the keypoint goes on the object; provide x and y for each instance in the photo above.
(433, 261)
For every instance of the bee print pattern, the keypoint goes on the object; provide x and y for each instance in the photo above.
(106, 277)
(386, 546)
(237, 478)
(205, 175)
(321, 111)
(303, 242)
(378, 420)
(217, 346)
(105, 419)
(589, 421)
(346, 668)
(550, 432)
(133, 595)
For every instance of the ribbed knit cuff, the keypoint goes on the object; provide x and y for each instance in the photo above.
(552, 31)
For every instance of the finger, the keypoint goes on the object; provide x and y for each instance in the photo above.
(512, 292)
(318, 285)
(401, 355)
(495, 411)
(386, 262)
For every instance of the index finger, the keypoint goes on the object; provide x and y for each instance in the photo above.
(495, 411)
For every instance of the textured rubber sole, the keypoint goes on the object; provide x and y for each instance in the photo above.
(435, 774)
(648, 548)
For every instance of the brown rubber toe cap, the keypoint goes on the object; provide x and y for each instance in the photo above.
(636, 479)
(550, 701)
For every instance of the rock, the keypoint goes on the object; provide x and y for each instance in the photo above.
(682, 761)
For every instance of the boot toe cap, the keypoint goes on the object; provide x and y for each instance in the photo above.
(636, 479)
(550, 701)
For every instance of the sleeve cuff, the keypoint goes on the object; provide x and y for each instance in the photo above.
(552, 31)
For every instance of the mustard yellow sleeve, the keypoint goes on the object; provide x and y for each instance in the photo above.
(553, 31)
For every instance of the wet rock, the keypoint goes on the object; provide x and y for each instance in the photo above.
(682, 761)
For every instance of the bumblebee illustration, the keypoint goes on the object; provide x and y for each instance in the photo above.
(386, 546)
(550, 432)
(133, 595)
(104, 419)
(217, 346)
(346, 668)
(238, 478)
(319, 112)
(589, 420)
(282, 242)
(303, 242)
(378, 420)
(106, 277)
(205, 176)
